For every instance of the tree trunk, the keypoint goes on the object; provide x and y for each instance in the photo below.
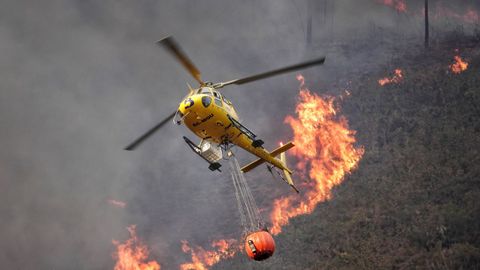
(426, 25)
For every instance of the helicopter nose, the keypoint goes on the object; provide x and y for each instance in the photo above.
(188, 104)
(198, 104)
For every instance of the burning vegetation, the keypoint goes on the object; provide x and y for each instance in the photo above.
(117, 203)
(459, 65)
(202, 259)
(398, 5)
(441, 11)
(133, 254)
(469, 15)
(396, 78)
(325, 151)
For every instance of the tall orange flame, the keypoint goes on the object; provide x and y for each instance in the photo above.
(202, 259)
(132, 254)
(459, 66)
(398, 5)
(324, 146)
(396, 78)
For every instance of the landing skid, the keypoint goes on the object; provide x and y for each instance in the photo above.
(214, 166)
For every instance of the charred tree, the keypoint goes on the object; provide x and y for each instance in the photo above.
(427, 34)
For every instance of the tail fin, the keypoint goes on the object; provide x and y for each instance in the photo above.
(286, 173)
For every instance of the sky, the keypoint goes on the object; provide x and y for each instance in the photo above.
(81, 79)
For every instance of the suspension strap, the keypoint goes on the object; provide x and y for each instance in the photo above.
(247, 207)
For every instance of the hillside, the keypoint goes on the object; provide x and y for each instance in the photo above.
(413, 201)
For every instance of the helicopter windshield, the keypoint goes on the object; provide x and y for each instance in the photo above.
(206, 91)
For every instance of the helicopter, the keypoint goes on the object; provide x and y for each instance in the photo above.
(212, 118)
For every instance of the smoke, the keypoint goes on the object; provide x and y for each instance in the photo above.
(80, 79)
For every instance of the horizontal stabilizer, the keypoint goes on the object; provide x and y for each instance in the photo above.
(274, 153)
(283, 148)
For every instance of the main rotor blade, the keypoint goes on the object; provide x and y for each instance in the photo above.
(174, 49)
(149, 133)
(275, 72)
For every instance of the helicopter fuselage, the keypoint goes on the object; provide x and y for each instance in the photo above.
(211, 117)
(207, 117)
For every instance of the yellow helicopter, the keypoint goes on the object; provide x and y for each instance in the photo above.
(212, 117)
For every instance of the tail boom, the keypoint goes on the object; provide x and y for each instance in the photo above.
(287, 173)
(270, 157)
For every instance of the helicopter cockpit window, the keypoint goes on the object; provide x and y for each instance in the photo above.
(206, 91)
(218, 102)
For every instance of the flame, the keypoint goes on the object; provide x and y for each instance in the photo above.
(132, 254)
(202, 259)
(324, 146)
(117, 203)
(396, 78)
(471, 16)
(398, 5)
(441, 12)
(459, 66)
(468, 16)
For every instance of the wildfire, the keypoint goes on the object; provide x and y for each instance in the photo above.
(459, 66)
(398, 5)
(324, 146)
(117, 203)
(469, 16)
(396, 78)
(202, 259)
(132, 254)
